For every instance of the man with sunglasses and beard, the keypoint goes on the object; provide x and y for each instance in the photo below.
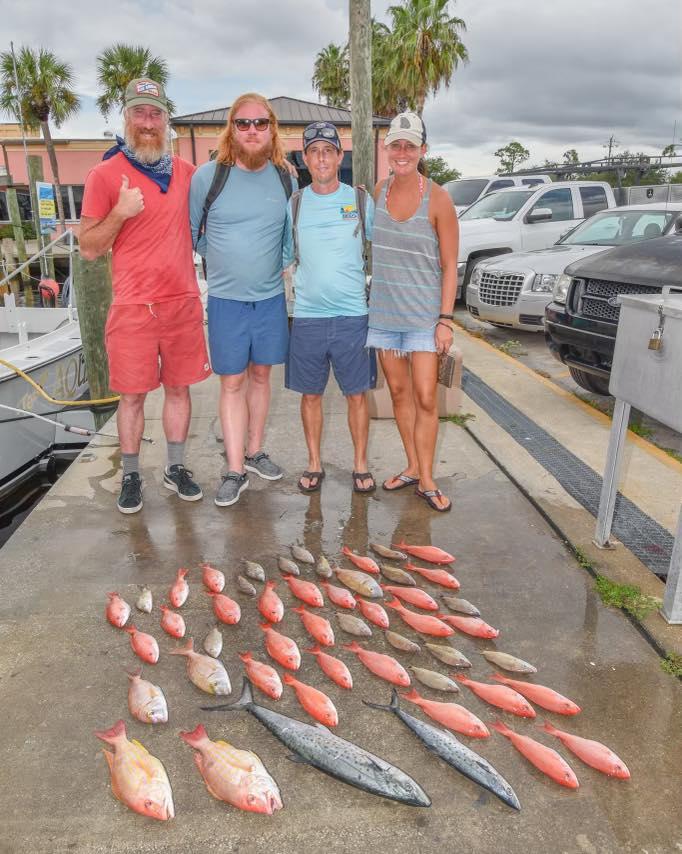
(136, 203)
(247, 316)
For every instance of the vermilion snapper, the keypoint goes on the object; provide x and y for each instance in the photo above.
(422, 623)
(592, 753)
(431, 554)
(500, 696)
(146, 701)
(117, 610)
(172, 623)
(144, 645)
(306, 591)
(383, 666)
(138, 779)
(264, 677)
(316, 703)
(363, 562)
(205, 672)
(237, 777)
(451, 715)
(317, 627)
(413, 596)
(540, 694)
(281, 648)
(269, 604)
(339, 595)
(180, 589)
(473, 626)
(225, 609)
(334, 668)
(374, 613)
(544, 758)
(436, 576)
(213, 579)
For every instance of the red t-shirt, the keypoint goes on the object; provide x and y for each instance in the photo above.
(152, 253)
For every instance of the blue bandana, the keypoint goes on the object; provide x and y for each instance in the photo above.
(160, 172)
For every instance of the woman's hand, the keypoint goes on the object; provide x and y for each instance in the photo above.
(444, 337)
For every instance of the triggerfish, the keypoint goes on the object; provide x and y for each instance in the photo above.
(237, 777)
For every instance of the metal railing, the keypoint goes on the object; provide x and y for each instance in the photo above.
(68, 234)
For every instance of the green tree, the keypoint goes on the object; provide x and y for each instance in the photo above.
(331, 75)
(511, 156)
(424, 49)
(571, 156)
(676, 178)
(121, 63)
(439, 171)
(45, 94)
(669, 150)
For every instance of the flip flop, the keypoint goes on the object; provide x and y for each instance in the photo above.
(428, 495)
(315, 476)
(406, 481)
(363, 475)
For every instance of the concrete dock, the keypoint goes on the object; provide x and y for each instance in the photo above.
(62, 666)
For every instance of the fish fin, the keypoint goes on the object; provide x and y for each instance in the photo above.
(294, 757)
(243, 702)
(109, 756)
(138, 744)
(113, 734)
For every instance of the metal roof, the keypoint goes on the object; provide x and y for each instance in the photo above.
(289, 111)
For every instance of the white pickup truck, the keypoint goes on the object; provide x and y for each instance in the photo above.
(524, 218)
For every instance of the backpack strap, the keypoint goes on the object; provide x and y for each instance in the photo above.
(295, 212)
(222, 173)
(361, 228)
(285, 178)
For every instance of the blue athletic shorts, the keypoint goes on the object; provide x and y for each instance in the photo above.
(318, 342)
(242, 332)
(402, 343)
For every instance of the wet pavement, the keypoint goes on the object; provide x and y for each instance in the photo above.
(62, 667)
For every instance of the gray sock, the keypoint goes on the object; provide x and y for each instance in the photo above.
(131, 463)
(176, 453)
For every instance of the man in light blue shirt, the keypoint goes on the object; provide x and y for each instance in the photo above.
(324, 237)
(247, 316)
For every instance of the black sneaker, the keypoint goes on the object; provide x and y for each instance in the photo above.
(179, 479)
(130, 499)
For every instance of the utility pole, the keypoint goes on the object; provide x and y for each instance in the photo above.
(360, 41)
(610, 145)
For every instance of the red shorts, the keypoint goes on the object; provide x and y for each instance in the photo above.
(159, 343)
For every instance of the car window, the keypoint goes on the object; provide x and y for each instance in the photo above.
(501, 206)
(594, 200)
(559, 201)
(532, 182)
(650, 225)
(499, 185)
(616, 228)
(466, 191)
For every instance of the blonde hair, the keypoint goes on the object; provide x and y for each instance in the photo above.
(226, 147)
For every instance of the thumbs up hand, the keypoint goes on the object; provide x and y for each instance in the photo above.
(130, 201)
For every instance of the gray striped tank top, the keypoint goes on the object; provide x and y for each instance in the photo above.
(406, 271)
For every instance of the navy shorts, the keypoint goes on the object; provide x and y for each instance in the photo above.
(318, 342)
(242, 332)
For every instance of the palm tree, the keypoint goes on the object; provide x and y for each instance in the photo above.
(45, 93)
(331, 75)
(424, 49)
(121, 63)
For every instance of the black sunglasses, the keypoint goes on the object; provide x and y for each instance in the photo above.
(245, 124)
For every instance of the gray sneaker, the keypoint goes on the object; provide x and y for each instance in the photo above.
(231, 488)
(263, 466)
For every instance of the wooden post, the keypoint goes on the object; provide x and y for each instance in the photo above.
(92, 285)
(35, 173)
(15, 219)
(360, 40)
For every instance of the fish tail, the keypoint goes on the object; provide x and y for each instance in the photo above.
(131, 629)
(112, 594)
(502, 728)
(548, 727)
(134, 673)
(246, 656)
(314, 650)
(412, 695)
(265, 626)
(244, 702)
(183, 650)
(353, 646)
(288, 679)
(270, 585)
(391, 707)
(112, 735)
(498, 677)
(346, 551)
(195, 737)
(460, 678)
(393, 604)
(299, 610)
(182, 572)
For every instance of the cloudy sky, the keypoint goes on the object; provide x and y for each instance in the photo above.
(553, 75)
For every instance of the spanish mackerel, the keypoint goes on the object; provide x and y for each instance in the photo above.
(319, 747)
(451, 750)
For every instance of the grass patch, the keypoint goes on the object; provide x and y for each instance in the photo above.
(672, 664)
(582, 558)
(604, 407)
(671, 452)
(544, 374)
(460, 419)
(512, 348)
(625, 596)
(478, 333)
(640, 430)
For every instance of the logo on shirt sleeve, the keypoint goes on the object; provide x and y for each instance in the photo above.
(349, 212)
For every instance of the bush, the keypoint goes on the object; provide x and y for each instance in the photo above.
(27, 227)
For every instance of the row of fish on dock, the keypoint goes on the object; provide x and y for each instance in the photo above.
(239, 777)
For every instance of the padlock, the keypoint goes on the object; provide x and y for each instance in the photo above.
(656, 340)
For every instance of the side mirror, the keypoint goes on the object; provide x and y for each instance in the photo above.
(539, 215)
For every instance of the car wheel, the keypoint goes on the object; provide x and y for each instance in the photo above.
(590, 382)
(467, 275)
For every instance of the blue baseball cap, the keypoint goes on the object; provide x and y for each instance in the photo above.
(324, 131)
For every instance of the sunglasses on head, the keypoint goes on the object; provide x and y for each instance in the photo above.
(313, 133)
(245, 124)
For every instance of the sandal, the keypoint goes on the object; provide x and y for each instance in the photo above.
(363, 475)
(405, 479)
(315, 479)
(429, 495)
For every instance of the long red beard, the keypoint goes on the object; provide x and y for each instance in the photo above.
(145, 150)
(254, 160)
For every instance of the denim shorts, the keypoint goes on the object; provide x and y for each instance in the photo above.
(242, 332)
(320, 342)
(402, 343)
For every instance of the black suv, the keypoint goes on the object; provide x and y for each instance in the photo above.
(581, 332)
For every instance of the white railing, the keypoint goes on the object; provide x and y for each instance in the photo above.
(69, 235)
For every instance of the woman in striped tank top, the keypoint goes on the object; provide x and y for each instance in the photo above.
(414, 280)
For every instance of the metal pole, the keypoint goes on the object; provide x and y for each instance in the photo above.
(360, 41)
(672, 598)
(609, 489)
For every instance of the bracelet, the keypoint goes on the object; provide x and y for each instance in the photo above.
(447, 316)
(446, 325)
